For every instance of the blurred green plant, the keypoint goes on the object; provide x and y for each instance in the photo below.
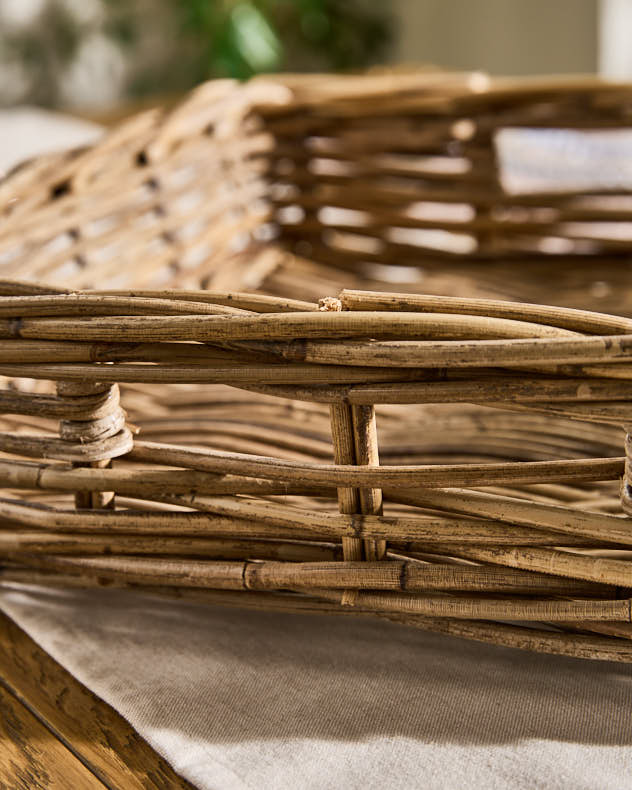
(170, 45)
(240, 38)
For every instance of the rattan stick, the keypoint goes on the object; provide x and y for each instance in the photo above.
(238, 575)
(101, 304)
(367, 454)
(561, 563)
(406, 476)
(466, 354)
(254, 302)
(529, 638)
(500, 390)
(13, 544)
(511, 510)
(413, 576)
(264, 520)
(272, 574)
(344, 453)
(154, 522)
(118, 444)
(62, 351)
(93, 433)
(565, 318)
(546, 641)
(287, 326)
(620, 630)
(228, 373)
(94, 406)
(392, 528)
(490, 608)
(141, 483)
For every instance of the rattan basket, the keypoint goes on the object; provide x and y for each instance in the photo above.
(492, 507)
(448, 183)
(543, 542)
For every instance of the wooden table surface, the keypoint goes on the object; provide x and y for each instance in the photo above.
(55, 733)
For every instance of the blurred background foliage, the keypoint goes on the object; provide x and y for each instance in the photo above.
(60, 53)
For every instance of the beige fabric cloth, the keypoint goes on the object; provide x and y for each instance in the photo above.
(235, 699)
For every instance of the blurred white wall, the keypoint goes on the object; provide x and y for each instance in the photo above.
(615, 30)
(501, 36)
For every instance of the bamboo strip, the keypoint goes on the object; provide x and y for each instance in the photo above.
(50, 447)
(95, 434)
(284, 572)
(215, 517)
(467, 353)
(150, 482)
(105, 304)
(499, 392)
(234, 576)
(565, 318)
(549, 560)
(529, 638)
(367, 454)
(406, 527)
(13, 544)
(405, 476)
(84, 408)
(198, 372)
(288, 326)
(511, 510)
(344, 453)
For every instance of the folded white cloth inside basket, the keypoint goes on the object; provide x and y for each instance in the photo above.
(26, 132)
(236, 699)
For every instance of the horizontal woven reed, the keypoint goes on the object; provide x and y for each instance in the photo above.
(302, 185)
(450, 463)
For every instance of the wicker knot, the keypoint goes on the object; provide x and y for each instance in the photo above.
(626, 487)
(101, 432)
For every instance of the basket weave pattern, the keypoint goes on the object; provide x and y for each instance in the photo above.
(307, 185)
(438, 546)
(451, 463)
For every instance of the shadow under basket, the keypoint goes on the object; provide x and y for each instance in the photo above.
(530, 553)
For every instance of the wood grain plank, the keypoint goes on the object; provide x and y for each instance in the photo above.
(89, 728)
(32, 758)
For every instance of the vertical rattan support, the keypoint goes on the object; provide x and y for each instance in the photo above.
(367, 454)
(486, 237)
(344, 453)
(91, 430)
(344, 446)
(354, 437)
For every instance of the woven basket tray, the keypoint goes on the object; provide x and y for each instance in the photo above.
(456, 546)
(424, 181)
(498, 495)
